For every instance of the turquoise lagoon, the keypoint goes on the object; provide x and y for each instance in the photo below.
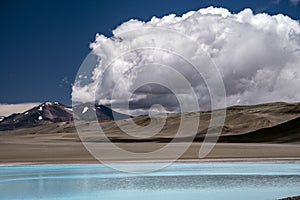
(178, 181)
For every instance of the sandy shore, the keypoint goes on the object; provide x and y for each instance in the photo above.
(65, 148)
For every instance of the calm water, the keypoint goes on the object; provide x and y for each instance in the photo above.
(178, 181)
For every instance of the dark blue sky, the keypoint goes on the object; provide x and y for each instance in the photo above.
(44, 42)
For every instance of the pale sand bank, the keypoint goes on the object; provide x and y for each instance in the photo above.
(63, 149)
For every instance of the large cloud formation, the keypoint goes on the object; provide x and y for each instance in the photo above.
(258, 57)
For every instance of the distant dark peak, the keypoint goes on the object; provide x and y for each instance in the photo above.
(104, 108)
(90, 112)
(113, 114)
(101, 106)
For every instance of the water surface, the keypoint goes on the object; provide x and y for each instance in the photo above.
(178, 181)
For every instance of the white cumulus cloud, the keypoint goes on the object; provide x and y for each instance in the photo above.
(257, 55)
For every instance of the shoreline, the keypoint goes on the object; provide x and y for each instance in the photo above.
(216, 160)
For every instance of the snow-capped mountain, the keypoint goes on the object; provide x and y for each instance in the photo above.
(43, 114)
(49, 112)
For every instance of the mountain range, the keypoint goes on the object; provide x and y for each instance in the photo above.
(272, 122)
(54, 112)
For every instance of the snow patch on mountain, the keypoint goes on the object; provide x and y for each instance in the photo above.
(84, 110)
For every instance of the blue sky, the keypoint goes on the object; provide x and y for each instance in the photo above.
(44, 42)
